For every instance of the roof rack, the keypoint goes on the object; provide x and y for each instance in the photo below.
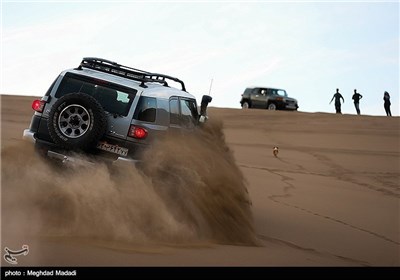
(114, 68)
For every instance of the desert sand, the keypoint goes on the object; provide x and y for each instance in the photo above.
(330, 198)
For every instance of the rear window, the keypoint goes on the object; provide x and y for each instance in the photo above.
(114, 98)
(146, 109)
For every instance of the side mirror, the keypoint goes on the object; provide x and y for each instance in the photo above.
(204, 103)
(203, 108)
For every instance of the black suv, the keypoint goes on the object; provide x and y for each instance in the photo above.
(267, 98)
(110, 110)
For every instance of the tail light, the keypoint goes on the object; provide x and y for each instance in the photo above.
(38, 105)
(137, 132)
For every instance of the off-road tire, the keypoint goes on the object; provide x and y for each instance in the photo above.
(271, 106)
(76, 121)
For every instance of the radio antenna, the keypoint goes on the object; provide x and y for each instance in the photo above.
(210, 86)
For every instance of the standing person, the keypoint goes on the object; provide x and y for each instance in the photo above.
(337, 97)
(356, 98)
(386, 98)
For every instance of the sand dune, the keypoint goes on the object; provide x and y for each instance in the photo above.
(330, 198)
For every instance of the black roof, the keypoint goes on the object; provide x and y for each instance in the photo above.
(114, 68)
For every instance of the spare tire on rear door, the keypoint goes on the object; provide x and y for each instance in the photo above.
(76, 121)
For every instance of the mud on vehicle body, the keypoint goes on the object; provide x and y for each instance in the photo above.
(267, 98)
(110, 111)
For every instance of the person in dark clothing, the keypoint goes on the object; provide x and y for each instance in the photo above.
(386, 104)
(337, 97)
(356, 98)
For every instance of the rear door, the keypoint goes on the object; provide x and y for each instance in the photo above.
(115, 99)
(118, 111)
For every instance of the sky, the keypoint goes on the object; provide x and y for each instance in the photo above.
(308, 48)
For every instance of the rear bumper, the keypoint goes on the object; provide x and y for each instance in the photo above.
(76, 160)
(29, 136)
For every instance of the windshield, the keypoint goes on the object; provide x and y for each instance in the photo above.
(281, 92)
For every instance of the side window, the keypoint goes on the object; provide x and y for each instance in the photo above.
(255, 91)
(146, 109)
(263, 92)
(188, 112)
(174, 111)
(281, 92)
